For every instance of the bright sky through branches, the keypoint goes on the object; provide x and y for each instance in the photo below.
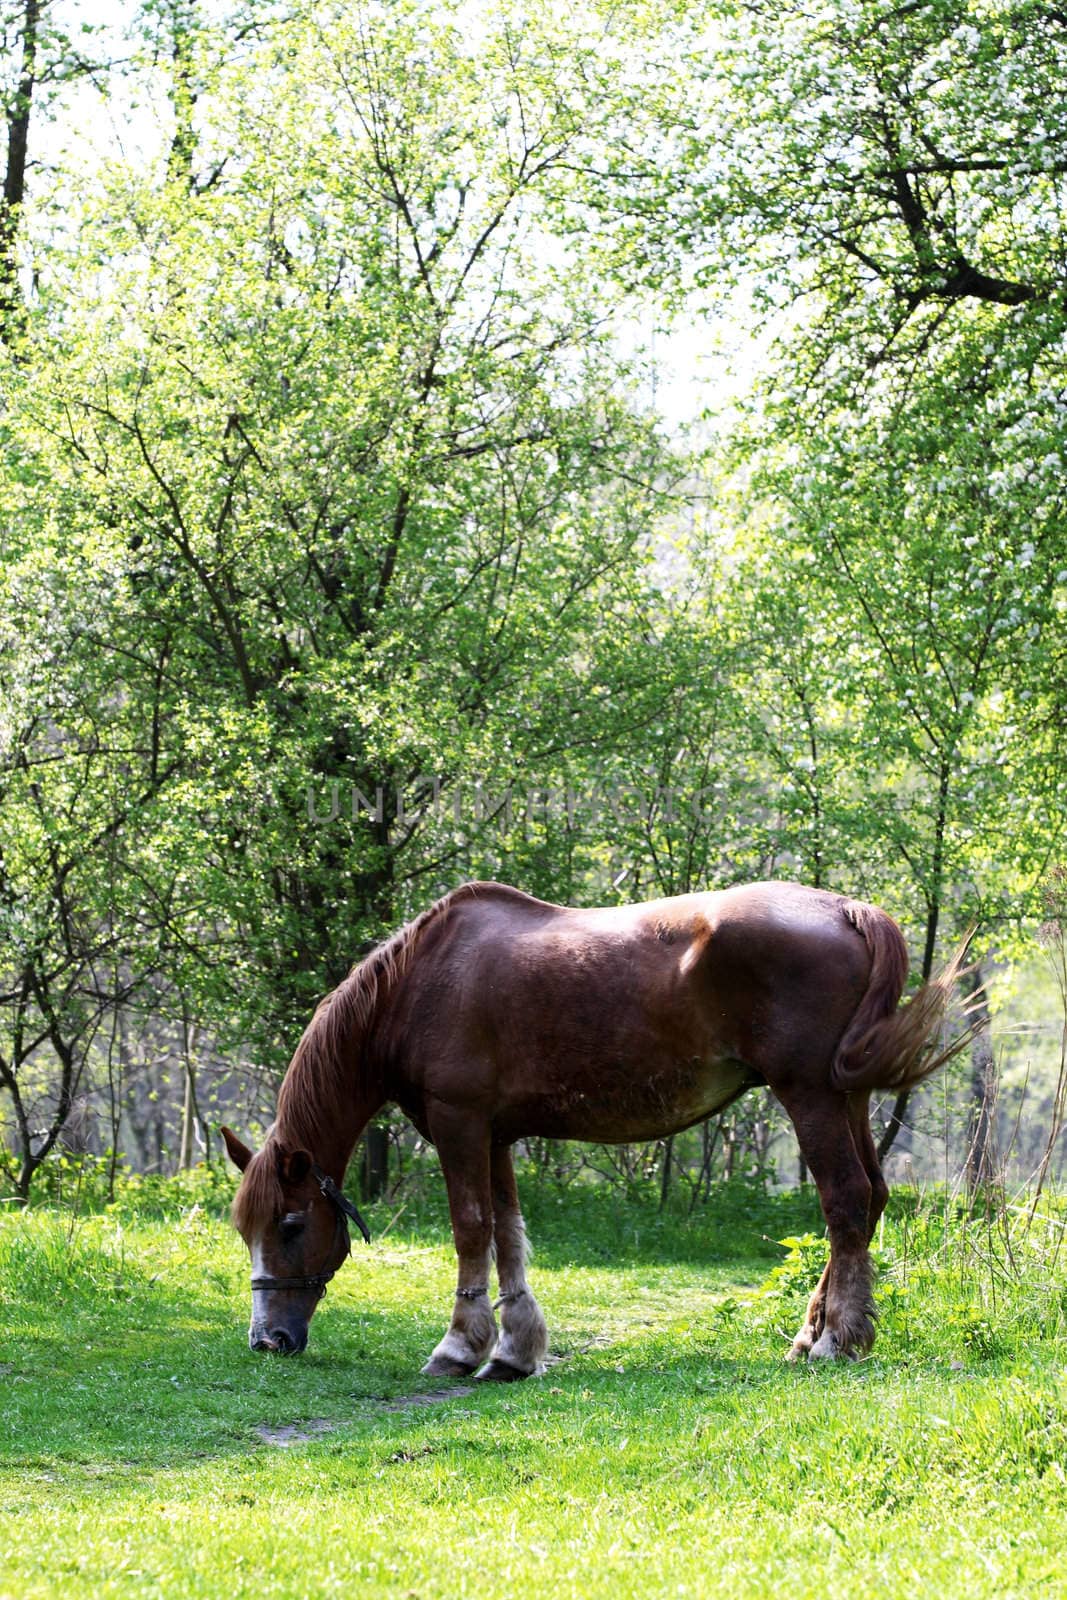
(702, 365)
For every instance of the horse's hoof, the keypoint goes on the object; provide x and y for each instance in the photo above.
(825, 1348)
(448, 1367)
(808, 1334)
(497, 1371)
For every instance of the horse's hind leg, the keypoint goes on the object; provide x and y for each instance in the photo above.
(463, 1148)
(825, 1132)
(524, 1337)
(860, 1126)
(859, 1121)
(814, 1320)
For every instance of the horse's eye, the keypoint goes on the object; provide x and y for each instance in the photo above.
(291, 1225)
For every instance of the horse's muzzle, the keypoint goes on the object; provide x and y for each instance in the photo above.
(279, 1341)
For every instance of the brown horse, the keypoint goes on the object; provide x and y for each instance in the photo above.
(494, 1016)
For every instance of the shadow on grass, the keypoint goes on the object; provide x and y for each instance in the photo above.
(594, 1226)
(164, 1377)
(123, 1350)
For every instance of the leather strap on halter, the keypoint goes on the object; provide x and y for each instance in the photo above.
(343, 1207)
(315, 1280)
(341, 1201)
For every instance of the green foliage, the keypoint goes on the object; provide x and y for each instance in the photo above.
(50, 1262)
(325, 479)
(335, 506)
(805, 1257)
(84, 1184)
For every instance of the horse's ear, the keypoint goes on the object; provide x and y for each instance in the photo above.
(238, 1153)
(293, 1166)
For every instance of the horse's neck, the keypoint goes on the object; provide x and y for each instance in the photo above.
(331, 1135)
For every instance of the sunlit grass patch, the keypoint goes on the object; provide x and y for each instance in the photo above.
(668, 1449)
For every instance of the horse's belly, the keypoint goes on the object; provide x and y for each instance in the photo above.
(615, 1105)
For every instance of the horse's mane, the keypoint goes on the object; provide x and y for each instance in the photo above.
(325, 1060)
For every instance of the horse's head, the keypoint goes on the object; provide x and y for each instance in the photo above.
(292, 1218)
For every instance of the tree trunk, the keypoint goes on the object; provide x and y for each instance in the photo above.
(18, 144)
(190, 1112)
(375, 1173)
(189, 1117)
(68, 1084)
(981, 1138)
(729, 1145)
(933, 917)
(21, 1137)
(183, 97)
(114, 1099)
(77, 1134)
(665, 1176)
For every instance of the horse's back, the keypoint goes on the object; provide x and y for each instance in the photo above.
(623, 1022)
(745, 948)
(771, 925)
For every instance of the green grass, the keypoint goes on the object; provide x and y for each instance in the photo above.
(671, 1451)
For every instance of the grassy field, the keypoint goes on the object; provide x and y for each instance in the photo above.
(669, 1451)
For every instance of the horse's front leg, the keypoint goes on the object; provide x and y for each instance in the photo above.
(524, 1337)
(463, 1148)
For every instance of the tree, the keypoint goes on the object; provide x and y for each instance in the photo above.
(18, 103)
(46, 48)
(886, 178)
(82, 772)
(339, 446)
(893, 168)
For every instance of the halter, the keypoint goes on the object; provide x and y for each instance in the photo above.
(343, 1207)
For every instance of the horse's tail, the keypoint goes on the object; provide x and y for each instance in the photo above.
(886, 1045)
